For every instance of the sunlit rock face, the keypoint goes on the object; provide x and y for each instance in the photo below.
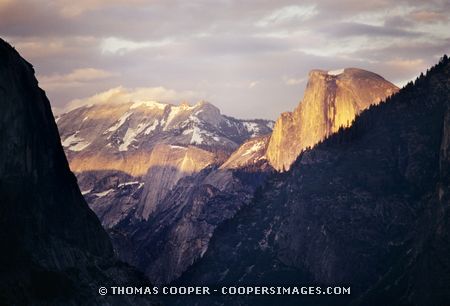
(128, 156)
(332, 99)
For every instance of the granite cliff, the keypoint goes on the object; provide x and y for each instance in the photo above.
(332, 99)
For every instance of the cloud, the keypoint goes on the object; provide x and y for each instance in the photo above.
(122, 94)
(427, 16)
(405, 64)
(76, 78)
(293, 81)
(291, 13)
(122, 46)
(346, 29)
(70, 8)
(253, 84)
(220, 48)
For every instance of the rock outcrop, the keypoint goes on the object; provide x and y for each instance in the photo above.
(366, 208)
(54, 250)
(331, 100)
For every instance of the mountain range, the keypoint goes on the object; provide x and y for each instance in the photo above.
(167, 175)
(350, 189)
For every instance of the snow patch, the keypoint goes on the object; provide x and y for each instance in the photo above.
(251, 127)
(104, 193)
(196, 136)
(336, 72)
(193, 118)
(128, 183)
(84, 192)
(151, 128)
(176, 111)
(75, 143)
(254, 148)
(131, 134)
(119, 123)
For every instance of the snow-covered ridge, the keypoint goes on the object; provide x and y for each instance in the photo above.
(143, 124)
(149, 104)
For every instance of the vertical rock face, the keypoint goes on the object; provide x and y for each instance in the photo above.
(52, 244)
(331, 100)
(368, 208)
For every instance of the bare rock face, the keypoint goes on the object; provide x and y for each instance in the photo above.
(331, 100)
(147, 147)
(55, 251)
(178, 231)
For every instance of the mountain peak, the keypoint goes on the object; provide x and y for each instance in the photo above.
(332, 99)
(185, 105)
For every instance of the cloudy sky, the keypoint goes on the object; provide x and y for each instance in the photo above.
(250, 58)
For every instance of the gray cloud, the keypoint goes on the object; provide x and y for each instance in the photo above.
(250, 58)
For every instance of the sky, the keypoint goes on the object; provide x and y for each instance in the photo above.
(249, 58)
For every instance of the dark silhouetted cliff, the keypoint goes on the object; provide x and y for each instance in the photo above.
(54, 250)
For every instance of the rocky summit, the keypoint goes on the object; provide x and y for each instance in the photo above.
(332, 99)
